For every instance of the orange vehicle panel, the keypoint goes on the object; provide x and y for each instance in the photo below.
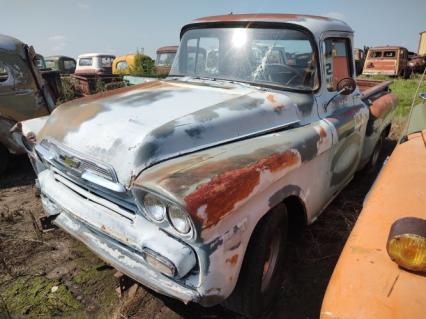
(366, 283)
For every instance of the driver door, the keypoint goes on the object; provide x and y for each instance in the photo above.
(346, 114)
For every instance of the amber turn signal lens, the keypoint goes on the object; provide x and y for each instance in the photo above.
(407, 243)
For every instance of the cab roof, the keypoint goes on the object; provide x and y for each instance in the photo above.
(388, 47)
(316, 24)
(168, 49)
(11, 44)
(57, 57)
(89, 55)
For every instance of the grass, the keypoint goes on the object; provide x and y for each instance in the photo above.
(33, 297)
(405, 90)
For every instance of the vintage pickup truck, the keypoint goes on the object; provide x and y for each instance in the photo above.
(189, 185)
(25, 92)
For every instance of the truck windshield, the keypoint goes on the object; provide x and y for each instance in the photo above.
(279, 57)
(165, 58)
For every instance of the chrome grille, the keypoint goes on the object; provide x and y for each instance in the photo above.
(77, 164)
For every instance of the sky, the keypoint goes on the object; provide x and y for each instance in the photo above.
(73, 27)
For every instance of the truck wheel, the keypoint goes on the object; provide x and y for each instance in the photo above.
(407, 73)
(4, 158)
(262, 273)
(374, 159)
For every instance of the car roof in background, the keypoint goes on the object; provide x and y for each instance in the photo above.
(90, 55)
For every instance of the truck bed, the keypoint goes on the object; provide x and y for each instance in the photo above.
(369, 88)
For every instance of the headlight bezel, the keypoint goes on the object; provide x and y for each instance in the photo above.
(406, 243)
(166, 223)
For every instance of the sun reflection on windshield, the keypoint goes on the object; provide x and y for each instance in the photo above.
(239, 38)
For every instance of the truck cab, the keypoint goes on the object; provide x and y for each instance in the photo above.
(65, 65)
(24, 94)
(190, 184)
(164, 59)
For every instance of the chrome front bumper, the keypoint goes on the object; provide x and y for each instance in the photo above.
(119, 240)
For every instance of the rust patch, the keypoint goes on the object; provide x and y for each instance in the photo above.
(232, 261)
(383, 105)
(277, 106)
(78, 111)
(220, 195)
(101, 95)
(259, 17)
(74, 116)
(322, 134)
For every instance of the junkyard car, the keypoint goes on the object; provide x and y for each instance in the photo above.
(366, 283)
(94, 63)
(126, 63)
(389, 60)
(359, 56)
(23, 93)
(63, 64)
(93, 71)
(164, 60)
(417, 63)
(189, 184)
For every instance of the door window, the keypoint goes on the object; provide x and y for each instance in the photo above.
(337, 60)
(85, 62)
(4, 73)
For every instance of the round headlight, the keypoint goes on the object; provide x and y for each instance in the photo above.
(154, 207)
(407, 243)
(179, 220)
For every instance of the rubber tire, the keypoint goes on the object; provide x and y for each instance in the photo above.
(247, 298)
(406, 73)
(4, 158)
(374, 159)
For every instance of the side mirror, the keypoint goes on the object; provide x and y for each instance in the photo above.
(423, 95)
(346, 86)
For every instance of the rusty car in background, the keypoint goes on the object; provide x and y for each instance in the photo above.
(24, 94)
(416, 63)
(93, 72)
(64, 64)
(190, 184)
(387, 60)
(164, 59)
(359, 57)
(381, 271)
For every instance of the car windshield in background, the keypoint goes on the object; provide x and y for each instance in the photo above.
(281, 57)
(85, 62)
(165, 58)
(389, 54)
(106, 61)
(50, 64)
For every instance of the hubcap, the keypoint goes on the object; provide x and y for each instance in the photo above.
(271, 260)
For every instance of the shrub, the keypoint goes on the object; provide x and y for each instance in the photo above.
(144, 65)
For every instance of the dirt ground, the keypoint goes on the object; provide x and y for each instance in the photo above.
(50, 274)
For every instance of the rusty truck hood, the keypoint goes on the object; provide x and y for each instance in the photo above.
(136, 127)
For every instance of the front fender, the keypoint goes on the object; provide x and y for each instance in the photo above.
(228, 189)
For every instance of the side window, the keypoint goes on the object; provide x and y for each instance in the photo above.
(85, 62)
(122, 65)
(337, 61)
(69, 64)
(4, 73)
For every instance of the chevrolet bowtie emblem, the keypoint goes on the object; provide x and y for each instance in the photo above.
(70, 161)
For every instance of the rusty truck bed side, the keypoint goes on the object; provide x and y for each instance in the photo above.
(369, 88)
